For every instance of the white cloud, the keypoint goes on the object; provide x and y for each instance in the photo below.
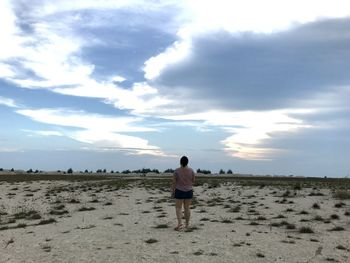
(44, 133)
(100, 132)
(80, 119)
(51, 52)
(8, 102)
(235, 16)
(249, 129)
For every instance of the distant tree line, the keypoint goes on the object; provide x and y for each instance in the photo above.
(138, 171)
(203, 171)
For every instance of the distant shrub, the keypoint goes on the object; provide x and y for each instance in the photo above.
(297, 187)
(203, 171)
(342, 194)
(169, 170)
(229, 171)
(221, 171)
(29, 171)
(126, 172)
(70, 171)
(316, 206)
(306, 230)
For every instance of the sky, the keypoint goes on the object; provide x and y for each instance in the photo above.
(258, 87)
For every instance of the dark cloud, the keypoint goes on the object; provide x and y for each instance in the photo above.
(123, 52)
(264, 71)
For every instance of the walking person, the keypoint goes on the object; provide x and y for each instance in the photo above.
(182, 188)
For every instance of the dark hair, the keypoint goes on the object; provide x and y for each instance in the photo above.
(184, 161)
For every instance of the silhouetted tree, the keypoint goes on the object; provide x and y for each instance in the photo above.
(169, 170)
(203, 171)
(221, 171)
(70, 171)
(30, 171)
(229, 171)
(86, 171)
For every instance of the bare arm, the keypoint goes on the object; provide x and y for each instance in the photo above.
(174, 183)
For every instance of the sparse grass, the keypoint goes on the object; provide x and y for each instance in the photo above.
(198, 252)
(280, 216)
(303, 212)
(21, 225)
(191, 229)
(337, 228)
(226, 220)
(58, 212)
(29, 215)
(46, 248)
(339, 205)
(316, 194)
(47, 221)
(162, 226)
(316, 206)
(74, 201)
(235, 209)
(306, 230)
(318, 218)
(84, 208)
(151, 241)
(342, 194)
(340, 247)
(334, 216)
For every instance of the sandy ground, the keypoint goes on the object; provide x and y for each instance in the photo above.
(230, 223)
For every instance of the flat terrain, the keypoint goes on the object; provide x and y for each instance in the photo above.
(61, 218)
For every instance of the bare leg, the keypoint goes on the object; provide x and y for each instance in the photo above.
(178, 208)
(187, 203)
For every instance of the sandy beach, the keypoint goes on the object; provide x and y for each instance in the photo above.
(133, 221)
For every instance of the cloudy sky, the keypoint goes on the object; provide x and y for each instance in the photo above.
(259, 87)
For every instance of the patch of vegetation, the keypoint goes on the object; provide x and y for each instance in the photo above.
(226, 220)
(303, 212)
(306, 230)
(342, 194)
(198, 252)
(316, 206)
(337, 228)
(47, 221)
(162, 226)
(334, 216)
(151, 241)
(84, 208)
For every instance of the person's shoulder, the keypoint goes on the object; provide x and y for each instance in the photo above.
(177, 170)
(190, 169)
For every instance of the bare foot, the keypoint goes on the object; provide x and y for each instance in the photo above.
(178, 227)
